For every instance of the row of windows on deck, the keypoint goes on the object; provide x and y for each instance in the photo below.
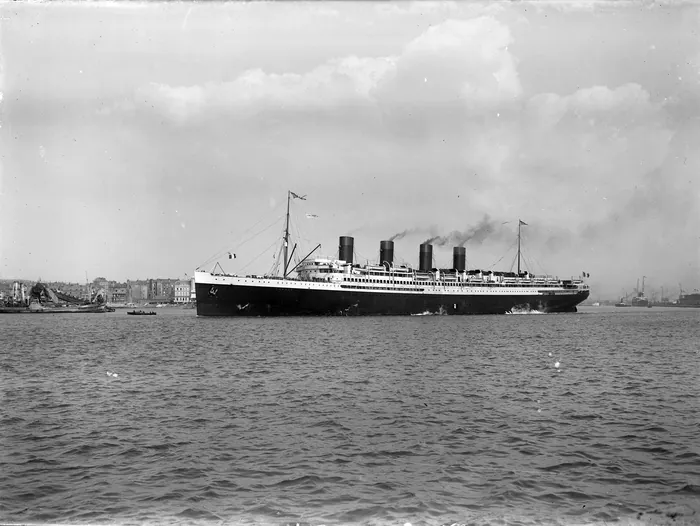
(453, 283)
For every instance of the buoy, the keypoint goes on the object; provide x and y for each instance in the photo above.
(556, 365)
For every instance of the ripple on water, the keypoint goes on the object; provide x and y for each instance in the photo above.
(427, 420)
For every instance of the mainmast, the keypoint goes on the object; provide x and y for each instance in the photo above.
(520, 223)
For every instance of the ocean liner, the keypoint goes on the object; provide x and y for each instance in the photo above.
(329, 286)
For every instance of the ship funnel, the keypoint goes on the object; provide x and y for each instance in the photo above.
(459, 259)
(386, 252)
(345, 248)
(425, 257)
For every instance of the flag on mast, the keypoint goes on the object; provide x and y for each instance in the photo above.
(302, 197)
(522, 222)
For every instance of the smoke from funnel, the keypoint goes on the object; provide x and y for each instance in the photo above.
(478, 233)
(405, 233)
(398, 236)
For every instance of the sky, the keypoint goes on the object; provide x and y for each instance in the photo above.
(144, 140)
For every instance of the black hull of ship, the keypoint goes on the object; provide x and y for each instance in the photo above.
(233, 300)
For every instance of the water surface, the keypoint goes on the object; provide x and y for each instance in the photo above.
(427, 420)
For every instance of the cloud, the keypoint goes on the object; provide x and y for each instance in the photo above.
(464, 63)
(441, 8)
(338, 82)
(604, 137)
(415, 8)
(458, 62)
(456, 88)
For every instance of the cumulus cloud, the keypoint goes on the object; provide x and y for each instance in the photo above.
(458, 62)
(457, 82)
(598, 125)
(466, 62)
(338, 82)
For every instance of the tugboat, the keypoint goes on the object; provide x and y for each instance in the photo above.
(339, 286)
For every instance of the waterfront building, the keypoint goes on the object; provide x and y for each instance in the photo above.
(182, 291)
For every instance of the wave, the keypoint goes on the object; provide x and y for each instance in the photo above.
(689, 489)
(524, 310)
(563, 466)
(430, 313)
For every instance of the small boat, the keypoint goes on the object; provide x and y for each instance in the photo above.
(141, 313)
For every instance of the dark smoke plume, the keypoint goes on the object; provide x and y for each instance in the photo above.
(399, 235)
(406, 232)
(476, 234)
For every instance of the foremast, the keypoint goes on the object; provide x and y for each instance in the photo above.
(285, 244)
(286, 234)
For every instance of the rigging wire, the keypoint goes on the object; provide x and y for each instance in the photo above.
(544, 271)
(294, 255)
(520, 250)
(221, 253)
(276, 261)
(295, 233)
(301, 248)
(504, 255)
(528, 261)
(360, 257)
(274, 270)
(398, 258)
(280, 256)
(260, 254)
(299, 233)
(512, 263)
(223, 250)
